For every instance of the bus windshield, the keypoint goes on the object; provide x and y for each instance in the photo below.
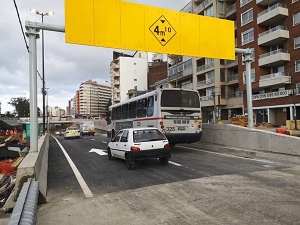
(180, 98)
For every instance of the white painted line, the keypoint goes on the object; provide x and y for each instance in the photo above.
(105, 142)
(233, 156)
(92, 139)
(86, 190)
(98, 151)
(176, 164)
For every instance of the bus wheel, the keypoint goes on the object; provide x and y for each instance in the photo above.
(172, 146)
(129, 164)
(164, 160)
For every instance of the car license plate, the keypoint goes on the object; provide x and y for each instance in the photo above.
(181, 128)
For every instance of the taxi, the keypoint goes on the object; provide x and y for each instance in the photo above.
(72, 132)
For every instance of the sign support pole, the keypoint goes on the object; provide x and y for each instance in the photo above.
(248, 58)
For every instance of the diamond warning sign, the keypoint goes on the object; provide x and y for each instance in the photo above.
(162, 30)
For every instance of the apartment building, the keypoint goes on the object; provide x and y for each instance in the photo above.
(128, 73)
(93, 99)
(157, 72)
(271, 29)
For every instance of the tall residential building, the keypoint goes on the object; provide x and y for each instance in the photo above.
(93, 98)
(271, 29)
(126, 74)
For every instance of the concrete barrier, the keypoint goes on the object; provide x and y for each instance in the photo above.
(34, 165)
(253, 139)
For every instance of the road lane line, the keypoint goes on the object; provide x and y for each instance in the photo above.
(176, 164)
(86, 190)
(233, 156)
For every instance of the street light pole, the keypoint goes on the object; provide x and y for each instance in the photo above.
(43, 64)
(294, 101)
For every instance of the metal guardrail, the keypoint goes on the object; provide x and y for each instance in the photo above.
(25, 210)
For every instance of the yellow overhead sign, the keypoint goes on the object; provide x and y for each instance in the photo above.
(125, 25)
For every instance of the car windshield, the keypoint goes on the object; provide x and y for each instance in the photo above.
(147, 135)
(72, 128)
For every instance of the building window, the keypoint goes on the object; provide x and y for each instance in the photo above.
(247, 17)
(209, 11)
(297, 64)
(297, 42)
(248, 36)
(296, 18)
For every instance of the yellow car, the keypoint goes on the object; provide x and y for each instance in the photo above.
(72, 132)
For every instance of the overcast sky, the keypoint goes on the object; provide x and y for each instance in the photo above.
(66, 65)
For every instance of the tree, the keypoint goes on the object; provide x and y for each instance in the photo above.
(22, 107)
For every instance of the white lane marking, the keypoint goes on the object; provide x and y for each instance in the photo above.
(105, 142)
(86, 190)
(93, 139)
(233, 156)
(176, 164)
(98, 151)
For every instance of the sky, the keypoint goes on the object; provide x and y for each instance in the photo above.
(66, 65)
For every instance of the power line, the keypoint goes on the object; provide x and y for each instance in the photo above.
(27, 47)
(21, 25)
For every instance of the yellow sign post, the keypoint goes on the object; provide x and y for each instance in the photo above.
(125, 25)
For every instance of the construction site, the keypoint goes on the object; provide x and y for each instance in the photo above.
(13, 149)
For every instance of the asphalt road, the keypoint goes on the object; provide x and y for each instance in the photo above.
(197, 187)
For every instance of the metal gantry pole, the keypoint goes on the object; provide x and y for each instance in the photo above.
(32, 34)
(43, 89)
(248, 58)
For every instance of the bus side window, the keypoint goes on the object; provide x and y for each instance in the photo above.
(142, 108)
(119, 113)
(113, 116)
(132, 109)
(125, 111)
(150, 107)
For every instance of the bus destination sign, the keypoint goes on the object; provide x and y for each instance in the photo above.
(172, 117)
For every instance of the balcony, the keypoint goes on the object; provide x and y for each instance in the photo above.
(234, 78)
(237, 94)
(272, 15)
(116, 67)
(205, 67)
(188, 86)
(273, 36)
(116, 75)
(232, 63)
(201, 7)
(116, 82)
(231, 12)
(277, 57)
(206, 82)
(265, 2)
(207, 101)
(274, 79)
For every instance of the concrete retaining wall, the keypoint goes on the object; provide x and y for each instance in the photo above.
(253, 139)
(34, 165)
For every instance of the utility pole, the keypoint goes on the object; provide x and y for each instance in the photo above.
(219, 107)
(294, 101)
(214, 113)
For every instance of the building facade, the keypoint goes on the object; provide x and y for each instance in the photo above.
(93, 99)
(126, 74)
(271, 29)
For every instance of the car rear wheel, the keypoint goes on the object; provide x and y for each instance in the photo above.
(109, 155)
(164, 160)
(130, 164)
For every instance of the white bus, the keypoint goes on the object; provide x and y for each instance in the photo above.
(175, 112)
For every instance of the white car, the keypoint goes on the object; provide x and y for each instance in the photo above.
(139, 143)
(72, 132)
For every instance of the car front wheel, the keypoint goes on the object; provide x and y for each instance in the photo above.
(164, 160)
(110, 157)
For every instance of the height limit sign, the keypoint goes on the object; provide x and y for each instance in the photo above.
(162, 30)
